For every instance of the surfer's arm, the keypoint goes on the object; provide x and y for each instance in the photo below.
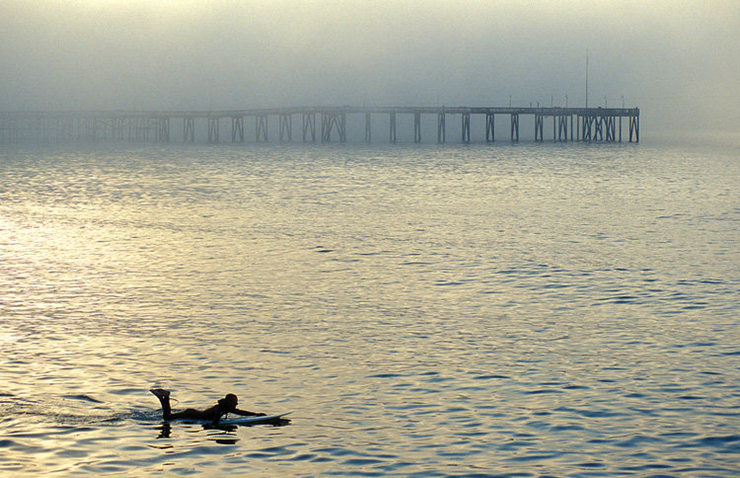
(246, 413)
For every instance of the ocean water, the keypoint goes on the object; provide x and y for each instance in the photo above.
(515, 310)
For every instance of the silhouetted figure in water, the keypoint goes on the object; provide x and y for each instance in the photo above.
(225, 405)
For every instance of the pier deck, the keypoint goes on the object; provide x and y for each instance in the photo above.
(316, 124)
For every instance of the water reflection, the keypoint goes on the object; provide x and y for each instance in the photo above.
(165, 430)
(481, 310)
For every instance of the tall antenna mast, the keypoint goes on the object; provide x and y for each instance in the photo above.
(586, 77)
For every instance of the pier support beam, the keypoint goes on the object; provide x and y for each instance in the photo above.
(417, 127)
(441, 128)
(368, 129)
(598, 128)
(466, 127)
(237, 129)
(587, 127)
(132, 126)
(286, 128)
(392, 128)
(562, 128)
(118, 128)
(514, 127)
(67, 129)
(538, 127)
(331, 120)
(490, 127)
(571, 128)
(188, 129)
(343, 124)
(260, 129)
(610, 129)
(162, 133)
(143, 129)
(213, 126)
(309, 126)
(112, 124)
(634, 124)
(143, 126)
(91, 127)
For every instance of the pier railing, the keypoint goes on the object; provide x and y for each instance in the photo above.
(316, 124)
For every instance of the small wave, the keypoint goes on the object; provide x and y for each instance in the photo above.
(81, 397)
(576, 387)
(719, 441)
(385, 375)
(448, 283)
(541, 391)
(491, 377)
(362, 461)
(280, 352)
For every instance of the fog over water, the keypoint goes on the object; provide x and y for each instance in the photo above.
(523, 308)
(677, 60)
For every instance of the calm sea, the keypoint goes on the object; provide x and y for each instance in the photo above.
(528, 310)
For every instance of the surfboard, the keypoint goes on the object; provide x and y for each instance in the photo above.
(252, 420)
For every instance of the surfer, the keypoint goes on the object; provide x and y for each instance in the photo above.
(225, 405)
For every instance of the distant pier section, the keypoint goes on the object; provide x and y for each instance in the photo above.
(324, 125)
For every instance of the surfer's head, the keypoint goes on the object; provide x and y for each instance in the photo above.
(229, 402)
(160, 393)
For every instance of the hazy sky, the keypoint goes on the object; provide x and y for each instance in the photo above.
(663, 55)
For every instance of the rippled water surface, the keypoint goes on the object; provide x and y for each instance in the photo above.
(433, 311)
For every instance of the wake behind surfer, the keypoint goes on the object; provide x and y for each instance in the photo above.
(213, 414)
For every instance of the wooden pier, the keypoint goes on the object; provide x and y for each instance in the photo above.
(317, 124)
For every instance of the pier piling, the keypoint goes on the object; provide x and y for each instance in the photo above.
(569, 124)
(441, 128)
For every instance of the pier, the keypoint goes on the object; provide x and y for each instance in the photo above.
(320, 124)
